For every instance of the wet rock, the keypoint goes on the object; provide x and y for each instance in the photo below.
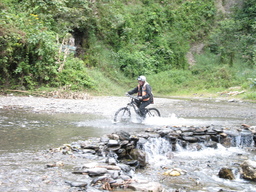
(226, 173)
(112, 143)
(194, 147)
(218, 130)
(101, 179)
(130, 145)
(123, 135)
(215, 138)
(253, 129)
(111, 161)
(104, 139)
(249, 170)
(124, 167)
(139, 155)
(121, 153)
(88, 151)
(55, 164)
(77, 183)
(226, 141)
(124, 143)
(113, 136)
(125, 177)
(163, 132)
(92, 171)
(174, 172)
(190, 139)
(187, 134)
(131, 162)
(187, 129)
(211, 144)
(200, 131)
(151, 186)
(204, 138)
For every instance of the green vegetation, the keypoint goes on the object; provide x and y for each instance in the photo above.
(117, 40)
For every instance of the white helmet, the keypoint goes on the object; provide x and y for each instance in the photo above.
(141, 78)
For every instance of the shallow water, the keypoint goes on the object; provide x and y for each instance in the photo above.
(200, 167)
(21, 130)
(23, 135)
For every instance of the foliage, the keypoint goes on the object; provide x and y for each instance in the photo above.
(75, 75)
(236, 36)
(118, 40)
(148, 37)
(169, 82)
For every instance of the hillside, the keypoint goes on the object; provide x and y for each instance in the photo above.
(101, 46)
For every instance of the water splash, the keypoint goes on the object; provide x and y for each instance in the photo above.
(173, 120)
(202, 166)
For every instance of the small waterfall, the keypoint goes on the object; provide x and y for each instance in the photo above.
(241, 139)
(198, 162)
(158, 150)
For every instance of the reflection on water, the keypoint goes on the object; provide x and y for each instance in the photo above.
(22, 130)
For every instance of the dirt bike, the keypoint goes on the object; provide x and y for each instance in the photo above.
(124, 114)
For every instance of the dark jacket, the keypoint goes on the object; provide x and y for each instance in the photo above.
(138, 90)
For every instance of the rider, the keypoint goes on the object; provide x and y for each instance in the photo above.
(145, 95)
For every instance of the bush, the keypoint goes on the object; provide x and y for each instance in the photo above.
(75, 75)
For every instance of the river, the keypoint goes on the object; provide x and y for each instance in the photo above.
(30, 126)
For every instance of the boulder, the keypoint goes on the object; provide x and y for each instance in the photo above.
(140, 156)
(249, 170)
(226, 173)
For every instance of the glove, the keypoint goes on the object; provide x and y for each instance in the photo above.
(126, 94)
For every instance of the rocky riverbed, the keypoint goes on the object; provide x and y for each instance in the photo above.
(80, 167)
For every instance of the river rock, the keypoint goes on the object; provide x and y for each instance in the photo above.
(77, 183)
(92, 171)
(190, 139)
(123, 135)
(253, 129)
(124, 167)
(194, 147)
(249, 170)
(226, 141)
(113, 143)
(151, 186)
(226, 173)
(139, 155)
(211, 144)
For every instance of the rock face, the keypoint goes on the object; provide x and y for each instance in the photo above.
(249, 170)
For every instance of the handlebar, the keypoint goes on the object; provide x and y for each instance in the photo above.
(133, 97)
